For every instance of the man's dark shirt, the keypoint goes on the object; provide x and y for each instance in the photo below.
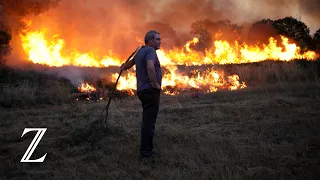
(144, 54)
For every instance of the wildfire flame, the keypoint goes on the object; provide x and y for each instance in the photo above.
(223, 52)
(51, 51)
(86, 88)
(208, 81)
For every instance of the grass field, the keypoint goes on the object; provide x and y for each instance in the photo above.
(267, 132)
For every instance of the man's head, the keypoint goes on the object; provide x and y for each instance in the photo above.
(153, 39)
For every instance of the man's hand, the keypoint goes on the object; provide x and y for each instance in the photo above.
(152, 74)
(123, 67)
(156, 85)
(127, 65)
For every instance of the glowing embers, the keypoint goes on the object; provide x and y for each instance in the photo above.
(89, 93)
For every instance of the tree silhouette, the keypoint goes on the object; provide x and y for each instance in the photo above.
(15, 10)
(316, 37)
(209, 31)
(212, 27)
(288, 26)
(5, 38)
(261, 31)
(26, 7)
(203, 28)
(294, 29)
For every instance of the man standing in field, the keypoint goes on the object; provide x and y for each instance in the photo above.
(149, 77)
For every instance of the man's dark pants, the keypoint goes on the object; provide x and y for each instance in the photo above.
(150, 99)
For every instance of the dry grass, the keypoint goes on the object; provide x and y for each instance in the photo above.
(21, 88)
(268, 132)
(279, 72)
(275, 72)
(27, 93)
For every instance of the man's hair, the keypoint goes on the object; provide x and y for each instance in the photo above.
(150, 35)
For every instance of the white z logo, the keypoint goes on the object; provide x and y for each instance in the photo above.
(33, 145)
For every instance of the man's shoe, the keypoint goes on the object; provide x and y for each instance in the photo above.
(145, 155)
(155, 154)
(150, 155)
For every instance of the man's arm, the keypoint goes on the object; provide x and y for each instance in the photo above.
(152, 74)
(127, 65)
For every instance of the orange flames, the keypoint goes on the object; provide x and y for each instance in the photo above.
(223, 52)
(208, 81)
(85, 88)
(52, 52)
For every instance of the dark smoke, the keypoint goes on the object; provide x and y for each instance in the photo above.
(12, 11)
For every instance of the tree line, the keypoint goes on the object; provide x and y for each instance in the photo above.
(261, 31)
